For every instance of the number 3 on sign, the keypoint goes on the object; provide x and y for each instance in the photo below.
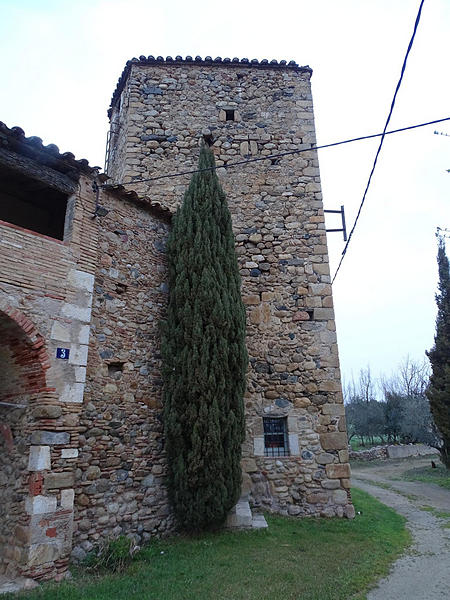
(62, 353)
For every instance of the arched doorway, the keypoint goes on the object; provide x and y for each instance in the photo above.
(23, 364)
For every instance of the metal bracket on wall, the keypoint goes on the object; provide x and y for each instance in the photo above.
(343, 229)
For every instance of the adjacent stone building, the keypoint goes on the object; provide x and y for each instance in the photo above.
(83, 288)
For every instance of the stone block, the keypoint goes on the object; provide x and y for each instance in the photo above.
(317, 497)
(67, 499)
(329, 386)
(293, 444)
(349, 511)
(249, 465)
(259, 522)
(73, 392)
(59, 480)
(50, 438)
(340, 497)
(78, 355)
(40, 554)
(81, 280)
(39, 458)
(83, 334)
(246, 485)
(251, 299)
(72, 311)
(69, 453)
(333, 440)
(343, 456)
(60, 332)
(333, 409)
(240, 517)
(38, 505)
(338, 471)
(93, 472)
(258, 446)
(47, 411)
(148, 481)
(323, 314)
(324, 458)
(300, 315)
(330, 484)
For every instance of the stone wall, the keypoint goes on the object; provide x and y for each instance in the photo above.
(392, 451)
(121, 465)
(251, 111)
(45, 297)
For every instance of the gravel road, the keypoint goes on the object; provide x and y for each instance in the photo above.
(423, 573)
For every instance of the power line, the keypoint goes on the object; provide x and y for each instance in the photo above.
(402, 72)
(281, 155)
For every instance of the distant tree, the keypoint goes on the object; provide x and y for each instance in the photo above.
(438, 391)
(363, 413)
(393, 416)
(204, 357)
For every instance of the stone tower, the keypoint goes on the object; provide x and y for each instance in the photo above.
(295, 455)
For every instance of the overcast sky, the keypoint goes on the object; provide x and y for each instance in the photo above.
(60, 61)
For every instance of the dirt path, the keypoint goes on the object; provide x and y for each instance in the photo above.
(423, 573)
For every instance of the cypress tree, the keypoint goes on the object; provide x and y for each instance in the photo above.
(438, 391)
(204, 357)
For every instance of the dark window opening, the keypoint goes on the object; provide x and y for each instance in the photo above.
(121, 288)
(32, 204)
(229, 115)
(276, 441)
(115, 369)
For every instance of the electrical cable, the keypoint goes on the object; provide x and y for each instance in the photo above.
(402, 72)
(275, 156)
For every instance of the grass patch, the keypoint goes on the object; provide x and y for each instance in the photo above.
(440, 475)
(295, 559)
(440, 514)
(364, 443)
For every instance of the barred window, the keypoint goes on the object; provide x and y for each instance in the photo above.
(276, 441)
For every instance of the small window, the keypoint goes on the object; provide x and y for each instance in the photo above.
(229, 115)
(32, 204)
(276, 441)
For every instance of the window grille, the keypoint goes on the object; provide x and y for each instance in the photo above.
(276, 441)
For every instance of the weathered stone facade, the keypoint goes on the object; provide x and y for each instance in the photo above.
(120, 487)
(160, 113)
(45, 303)
(82, 455)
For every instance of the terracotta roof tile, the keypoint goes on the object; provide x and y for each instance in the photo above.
(208, 60)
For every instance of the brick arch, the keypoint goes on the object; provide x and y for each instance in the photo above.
(25, 350)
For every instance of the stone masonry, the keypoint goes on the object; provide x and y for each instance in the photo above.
(81, 434)
(45, 303)
(161, 111)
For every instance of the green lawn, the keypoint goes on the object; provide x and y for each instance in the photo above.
(440, 475)
(294, 559)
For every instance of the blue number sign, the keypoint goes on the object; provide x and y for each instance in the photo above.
(62, 353)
